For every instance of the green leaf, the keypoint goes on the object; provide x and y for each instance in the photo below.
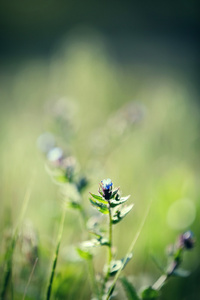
(150, 294)
(99, 198)
(104, 242)
(114, 203)
(129, 289)
(125, 198)
(103, 208)
(85, 254)
(114, 193)
(120, 214)
(116, 265)
(95, 243)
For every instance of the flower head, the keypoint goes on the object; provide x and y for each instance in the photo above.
(106, 188)
(187, 240)
(106, 184)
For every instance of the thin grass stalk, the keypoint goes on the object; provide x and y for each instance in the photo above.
(30, 277)
(51, 278)
(9, 254)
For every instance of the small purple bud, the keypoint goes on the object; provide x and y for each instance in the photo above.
(106, 187)
(187, 240)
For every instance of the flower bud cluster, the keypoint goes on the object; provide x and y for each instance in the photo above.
(105, 188)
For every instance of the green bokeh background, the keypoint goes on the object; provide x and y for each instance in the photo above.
(97, 60)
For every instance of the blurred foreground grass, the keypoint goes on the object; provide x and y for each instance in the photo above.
(150, 147)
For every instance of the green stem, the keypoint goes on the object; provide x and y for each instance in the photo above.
(160, 282)
(30, 277)
(128, 252)
(60, 232)
(110, 240)
(163, 278)
(109, 250)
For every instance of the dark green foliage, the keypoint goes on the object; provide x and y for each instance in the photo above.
(129, 289)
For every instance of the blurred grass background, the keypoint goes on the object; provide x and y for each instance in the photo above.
(73, 71)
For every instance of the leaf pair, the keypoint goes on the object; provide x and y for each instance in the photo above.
(102, 205)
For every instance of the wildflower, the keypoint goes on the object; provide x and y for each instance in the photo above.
(187, 240)
(106, 188)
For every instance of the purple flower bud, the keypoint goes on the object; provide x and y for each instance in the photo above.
(106, 188)
(187, 240)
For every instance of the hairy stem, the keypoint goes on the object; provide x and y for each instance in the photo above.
(109, 250)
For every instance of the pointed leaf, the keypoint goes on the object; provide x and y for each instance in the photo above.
(95, 243)
(117, 264)
(114, 193)
(126, 210)
(125, 198)
(129, 289)
(103, 208)
(99, 198)
(150, 294)
(114, 203)
(120, 214)
(104, 242)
